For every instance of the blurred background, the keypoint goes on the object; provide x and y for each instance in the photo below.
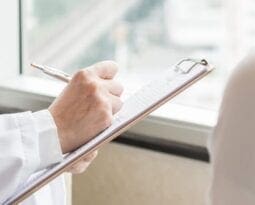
(143, 36)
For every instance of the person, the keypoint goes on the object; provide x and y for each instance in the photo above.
(232, 145)
(30, 142)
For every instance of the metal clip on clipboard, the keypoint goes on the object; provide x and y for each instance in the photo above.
(186, 65)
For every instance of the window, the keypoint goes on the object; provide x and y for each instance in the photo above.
(143, 36)
(9, 41)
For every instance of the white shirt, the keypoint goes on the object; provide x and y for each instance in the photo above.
(29, 143)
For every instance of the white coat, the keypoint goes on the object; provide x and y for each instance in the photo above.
(24, 139)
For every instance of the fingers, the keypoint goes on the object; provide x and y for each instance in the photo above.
(105, 69)
(114, 87)
(82, 165)
(90, 157)
(116, 103)
(79, 168)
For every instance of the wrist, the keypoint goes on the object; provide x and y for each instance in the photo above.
(63, 132)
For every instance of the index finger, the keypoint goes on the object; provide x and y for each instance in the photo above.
(105, 69)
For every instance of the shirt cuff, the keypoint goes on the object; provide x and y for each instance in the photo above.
(49, 146)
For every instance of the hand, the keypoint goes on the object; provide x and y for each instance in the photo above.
(82, 165)
(87, 104)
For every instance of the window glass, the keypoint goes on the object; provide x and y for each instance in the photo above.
(143, 36)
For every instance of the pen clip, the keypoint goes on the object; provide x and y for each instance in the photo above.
(180, 67)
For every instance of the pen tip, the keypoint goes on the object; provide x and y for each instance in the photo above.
(34, 65)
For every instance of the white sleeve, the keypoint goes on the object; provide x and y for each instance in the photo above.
(49, 147)
(28, 142)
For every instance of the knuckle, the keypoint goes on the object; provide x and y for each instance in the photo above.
(86, 83)
(80, 75)
(91, 88)
(83, 76)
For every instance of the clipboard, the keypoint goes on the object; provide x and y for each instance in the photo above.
(150, 97)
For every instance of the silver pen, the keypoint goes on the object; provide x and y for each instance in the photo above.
(60, 75)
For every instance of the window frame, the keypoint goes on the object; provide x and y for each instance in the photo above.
(20, 25)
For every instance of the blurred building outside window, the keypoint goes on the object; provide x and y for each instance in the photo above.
(143, 36)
